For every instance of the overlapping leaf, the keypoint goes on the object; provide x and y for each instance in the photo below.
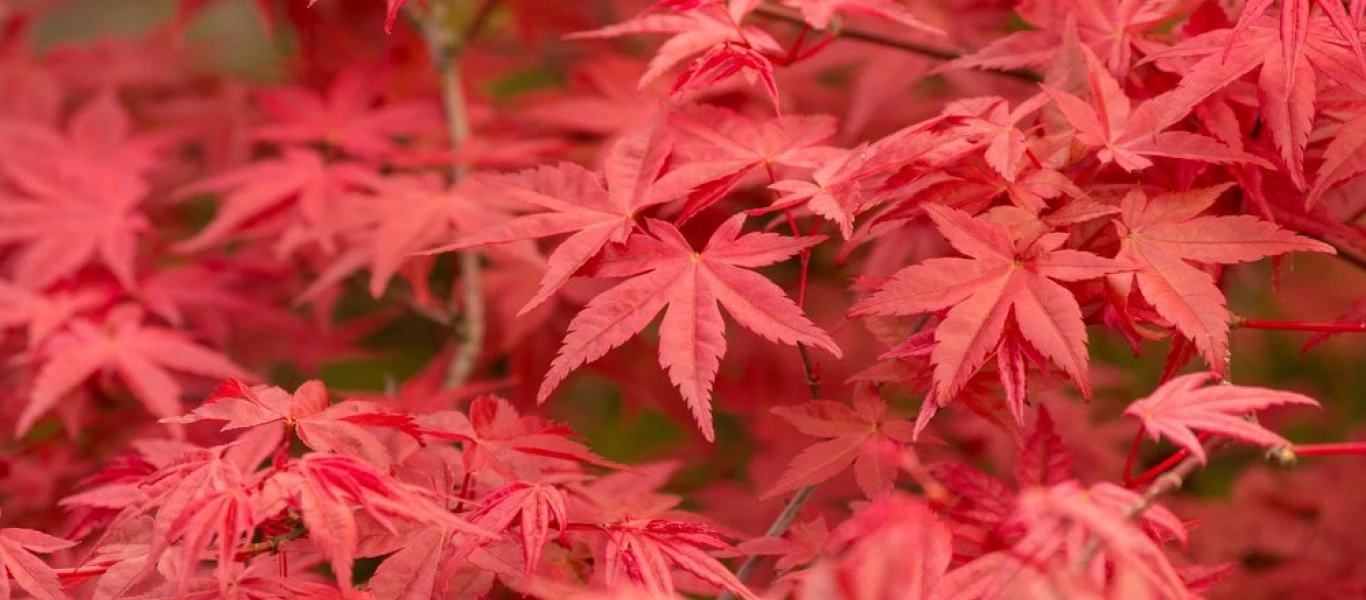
(1002, 280)
(1181, 407)
(667, 272)
(1162, 236)
(861, 435)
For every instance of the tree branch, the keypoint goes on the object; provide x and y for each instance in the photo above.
(445, 47)
(787, 15)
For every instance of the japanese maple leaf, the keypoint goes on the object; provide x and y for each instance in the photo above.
(894, 547)
(417, 212)
(1295, 27)
(992, 123)
(1182, 406)
(1118, 31)
(1343, 159)
(227, 517)
(17, 562)
(536, 504)
(1289, 79)
(682, 5)
(723, 62)
(602, 99)
(1129, 136)
(854, 181)
(1059, 519)
(1044, 459)
(820, 13)
(576, 201)
(332, 488)
(497, 438)
(143, 355)
(1002, 279)
(1163, 235)
(321, 425)
(695, 31)
(861, 435)
(67, 205)
(200, 493)
(348, 117)
(693, 285)
(299, 183)
(648, 549)
(733, 146)
(42, 314)
(983, 501)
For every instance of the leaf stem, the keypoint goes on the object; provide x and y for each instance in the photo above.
(1160, 468)
(1330, 449)
(1238, 321)
(445, 47)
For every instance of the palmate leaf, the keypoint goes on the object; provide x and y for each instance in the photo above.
(17, 562)
(696, 31)
(665, 272)
(859, 435)
(143, 355)
(1163, 236)
(644, 551)
(1129, 136)
(593, 210)
(1002, 279)
(344, 427)
(73, 198)
(1181, 407)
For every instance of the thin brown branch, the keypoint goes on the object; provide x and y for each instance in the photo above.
(787, 15)
(799, 499)
(481, 18)
(445, 46)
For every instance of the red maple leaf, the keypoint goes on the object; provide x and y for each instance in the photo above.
(66, 203)
(722, 62)
(17, 562)
(1127, 135)
(331, 489)
(299, 188)
(321, 425)
(576, 201)
(143, 355)
(647, 550)
(1056, 516)
(1164, 235)
(700, 30)
(1118, 31)
(731, 147)
(1181, 407)
(536, 504)
(496, 438)
(862, 436)
(667, 272)
(1004, 279)
(1296, 57)
(349, 116)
